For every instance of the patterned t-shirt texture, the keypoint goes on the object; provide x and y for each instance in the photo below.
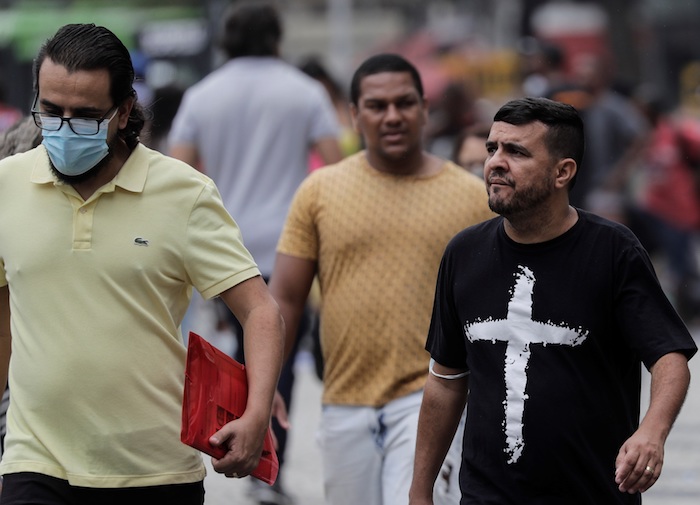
(378, 239)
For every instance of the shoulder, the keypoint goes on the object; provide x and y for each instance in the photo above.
(21, 164)
(333, 185)
(462, 177)
(479, 233)
(606, 229)
(22, 158)
(347, 169)
(167, 171)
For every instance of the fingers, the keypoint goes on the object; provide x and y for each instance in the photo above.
(279, 411)
(637, 476)
(221, 436)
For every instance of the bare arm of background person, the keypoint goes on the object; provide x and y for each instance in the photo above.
(5, 336)
(670, 378)
(290, 284)
(329, 150)
(441, 408)
(187, 153)
(263, 328)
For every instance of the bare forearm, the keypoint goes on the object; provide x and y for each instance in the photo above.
(441, 409)
(291, 313)
(670, 378)
(290, 284)
(263, 332)
(641, 458)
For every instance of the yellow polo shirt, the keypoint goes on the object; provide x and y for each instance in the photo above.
(98, 289)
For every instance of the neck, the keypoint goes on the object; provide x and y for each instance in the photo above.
(421, 164)
(540, 226)
(88, 187)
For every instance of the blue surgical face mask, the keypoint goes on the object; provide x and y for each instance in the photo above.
(73, 154)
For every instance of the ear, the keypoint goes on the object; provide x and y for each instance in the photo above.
(125, 111)
(354, 112)
(566, 170)
(426, 109)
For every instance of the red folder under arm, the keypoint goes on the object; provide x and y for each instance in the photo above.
(216, 391)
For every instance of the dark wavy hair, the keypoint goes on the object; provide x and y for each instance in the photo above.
(379, 63)
(251, 28)
(90, 47)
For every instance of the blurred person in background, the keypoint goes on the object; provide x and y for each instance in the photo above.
(107, 241)
(20, 137)
(348, 138)
(250, 125)
(457, 109)
(543, 318)
(164, 105)
(9, 115)
(663, 202)
(469, 150)
(543, 66)
(373, 228)
(615, 133)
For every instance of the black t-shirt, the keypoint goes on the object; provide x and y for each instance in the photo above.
(554, 335)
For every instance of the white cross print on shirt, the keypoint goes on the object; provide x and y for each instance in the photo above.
(520, 332)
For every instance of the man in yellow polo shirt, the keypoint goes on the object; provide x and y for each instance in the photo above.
(101, 243)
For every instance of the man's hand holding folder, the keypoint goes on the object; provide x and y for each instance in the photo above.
(215, 395)
(242, 442)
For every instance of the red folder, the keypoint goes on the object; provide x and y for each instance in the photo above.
(216, 391)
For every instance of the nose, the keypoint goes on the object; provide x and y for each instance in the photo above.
(495, 161)
(392, 113)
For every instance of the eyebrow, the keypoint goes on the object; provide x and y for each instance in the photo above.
(407, 96)
(78, 111)
(508, 146)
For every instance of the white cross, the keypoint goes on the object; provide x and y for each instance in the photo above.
(520, 331)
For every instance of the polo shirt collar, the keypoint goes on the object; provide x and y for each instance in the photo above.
(131, 177)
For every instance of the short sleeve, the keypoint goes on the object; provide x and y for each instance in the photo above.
(215, 256)
(446, 341)
(324, 121)
(184, 128)
(300, 233)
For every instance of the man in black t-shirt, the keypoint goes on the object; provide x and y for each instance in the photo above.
(543, 317)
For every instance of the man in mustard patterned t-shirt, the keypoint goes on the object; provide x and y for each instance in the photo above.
(373, 227)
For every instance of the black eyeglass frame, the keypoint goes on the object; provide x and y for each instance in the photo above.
(37, 115)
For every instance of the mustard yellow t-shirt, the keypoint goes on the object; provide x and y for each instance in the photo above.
(378, 240)
(98, 289)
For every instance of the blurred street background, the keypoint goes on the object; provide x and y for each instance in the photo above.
(481, 45)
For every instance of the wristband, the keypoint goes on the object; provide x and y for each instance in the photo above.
(449, 377)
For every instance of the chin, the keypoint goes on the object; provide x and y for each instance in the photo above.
(86, 176)
(397, 153)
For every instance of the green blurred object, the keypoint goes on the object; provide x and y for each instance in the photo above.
(25, 27)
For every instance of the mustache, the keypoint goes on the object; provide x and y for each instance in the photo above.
(500, 176)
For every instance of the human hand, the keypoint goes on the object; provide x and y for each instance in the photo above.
(279, 412)
(243, 439)
(639, 462)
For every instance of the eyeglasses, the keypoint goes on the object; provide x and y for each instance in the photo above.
(79, 125)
